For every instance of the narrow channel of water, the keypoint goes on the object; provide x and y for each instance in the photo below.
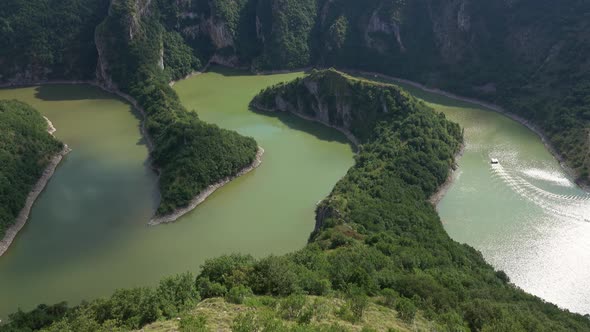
(87, 234)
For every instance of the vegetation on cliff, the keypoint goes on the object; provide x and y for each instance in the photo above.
(49, 39)
(378, 243)
(189, 153)
(377, 236)
(524, 55)
(25, 151)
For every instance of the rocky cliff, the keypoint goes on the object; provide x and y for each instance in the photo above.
(527, 56)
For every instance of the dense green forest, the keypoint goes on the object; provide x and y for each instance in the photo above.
(377, 236)
(49, 39)
(25, 150)
(526, 55)
(378, 240)
(188, 153)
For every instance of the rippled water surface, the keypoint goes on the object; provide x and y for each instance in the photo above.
(525, 215)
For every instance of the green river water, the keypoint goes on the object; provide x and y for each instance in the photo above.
(87, 233)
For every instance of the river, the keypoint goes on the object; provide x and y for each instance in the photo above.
(525, 215)
(87, 234)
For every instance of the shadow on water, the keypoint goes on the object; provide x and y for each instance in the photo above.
(316, 129)
(56, 92)
(233, 72)
(428, 97)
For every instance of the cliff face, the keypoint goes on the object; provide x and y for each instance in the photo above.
(114, 36)
(526, 55)
(209, 27)
(325, 97)
(426, 40)
(351, 105)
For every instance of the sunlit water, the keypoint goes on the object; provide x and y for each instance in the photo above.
(87, 234)
(525, 215)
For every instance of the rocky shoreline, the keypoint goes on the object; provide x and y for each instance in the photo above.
(443, 188)
(203, 195)
(23, 215)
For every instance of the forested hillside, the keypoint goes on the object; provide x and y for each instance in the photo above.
(25, 150)
(138, 56)
(378, 243)
(528, 56)
(48, 39)
(377, 236)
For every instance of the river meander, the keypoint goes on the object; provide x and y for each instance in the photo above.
(525, 215)
(87, 234)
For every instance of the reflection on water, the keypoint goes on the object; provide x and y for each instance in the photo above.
(572, 206)
(524, 214)
(87, 234)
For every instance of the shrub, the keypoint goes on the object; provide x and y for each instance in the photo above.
(389, 297)
(228, 270)
(274, 275)
(238, 294)
(190, 323)
(210, 289)
(177, 294)
(358, 302)
(292, 306)
(313, 283)
(502, 276)
(406, 309)
(245, 323)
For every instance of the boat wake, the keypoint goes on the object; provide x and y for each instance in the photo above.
(571, 206)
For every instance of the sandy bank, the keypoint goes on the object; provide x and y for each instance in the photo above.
(203, 195)
(23, 215)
